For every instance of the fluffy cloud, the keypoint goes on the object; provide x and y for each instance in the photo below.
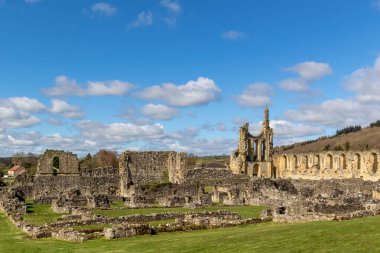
(15, 112)
(366, 82)
(23, 104)
(199, 92)
(255, 95)
(120, 132)
(62, 107)
(307, 72)
(362, 109)
(143, 19)
(232, 35)
(171, 6)
(66, 86)
(104, 8)
(286, 129)
(18, 120)
(336, 113)
(159, 111)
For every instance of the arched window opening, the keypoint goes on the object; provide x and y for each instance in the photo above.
(56, 165)
(374, 161)
(357, 162)
(342, 162)
(329, 161)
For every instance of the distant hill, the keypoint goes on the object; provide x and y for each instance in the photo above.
(364, 139)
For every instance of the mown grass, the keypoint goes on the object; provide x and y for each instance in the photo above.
(117, 204)
(8, 179)
(39, 214)
(244, 211)
(213, 159)
(208, 188)
(359, 235)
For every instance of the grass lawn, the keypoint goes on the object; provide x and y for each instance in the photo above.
(39, 214)
(8, 179)
(361, 235)
(244, 211)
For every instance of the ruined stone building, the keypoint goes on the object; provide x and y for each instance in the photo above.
(254, 154)
(255, 157)
(59, 174)
(329, 165)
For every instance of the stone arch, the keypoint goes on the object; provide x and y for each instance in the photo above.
(317, 161)
(55, 162)
(293, 163)
(305, 160)
(373, 162)
(283, 162)
(357, 162)
(255, 170)
(342, 161)
(329, 161)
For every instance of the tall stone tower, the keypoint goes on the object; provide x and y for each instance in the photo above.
(254, 154)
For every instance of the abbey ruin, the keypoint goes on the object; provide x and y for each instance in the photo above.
(254, 154)
(289, 187)
(255, 157)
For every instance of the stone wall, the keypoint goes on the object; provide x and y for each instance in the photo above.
(329, 165)
(151, 166)
(214, 176)
(90, 182)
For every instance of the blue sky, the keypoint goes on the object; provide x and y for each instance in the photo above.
(183, 75)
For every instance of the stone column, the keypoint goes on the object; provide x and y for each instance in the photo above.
(259, 150)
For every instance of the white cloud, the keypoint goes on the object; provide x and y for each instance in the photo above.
(15, 141)
(361, 109)
(108, 88)
(15, 112)
(255, 95)
(143, 19)
(120, 132)
(366, 83)
(62, 107)
(307, 72)
(104, 8)
(311, 70)
(286, 129)
(19, 120)
(27, 104)
(159, 111)
(172, 6)
(32, 1)
(337, 113)
(232, 35)
(199, 92)
(66, 86)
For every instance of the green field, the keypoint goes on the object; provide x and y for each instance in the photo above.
(361, 235)
(39, 214)
(243, 211)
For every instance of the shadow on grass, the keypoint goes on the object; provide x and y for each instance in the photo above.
(29, 208)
